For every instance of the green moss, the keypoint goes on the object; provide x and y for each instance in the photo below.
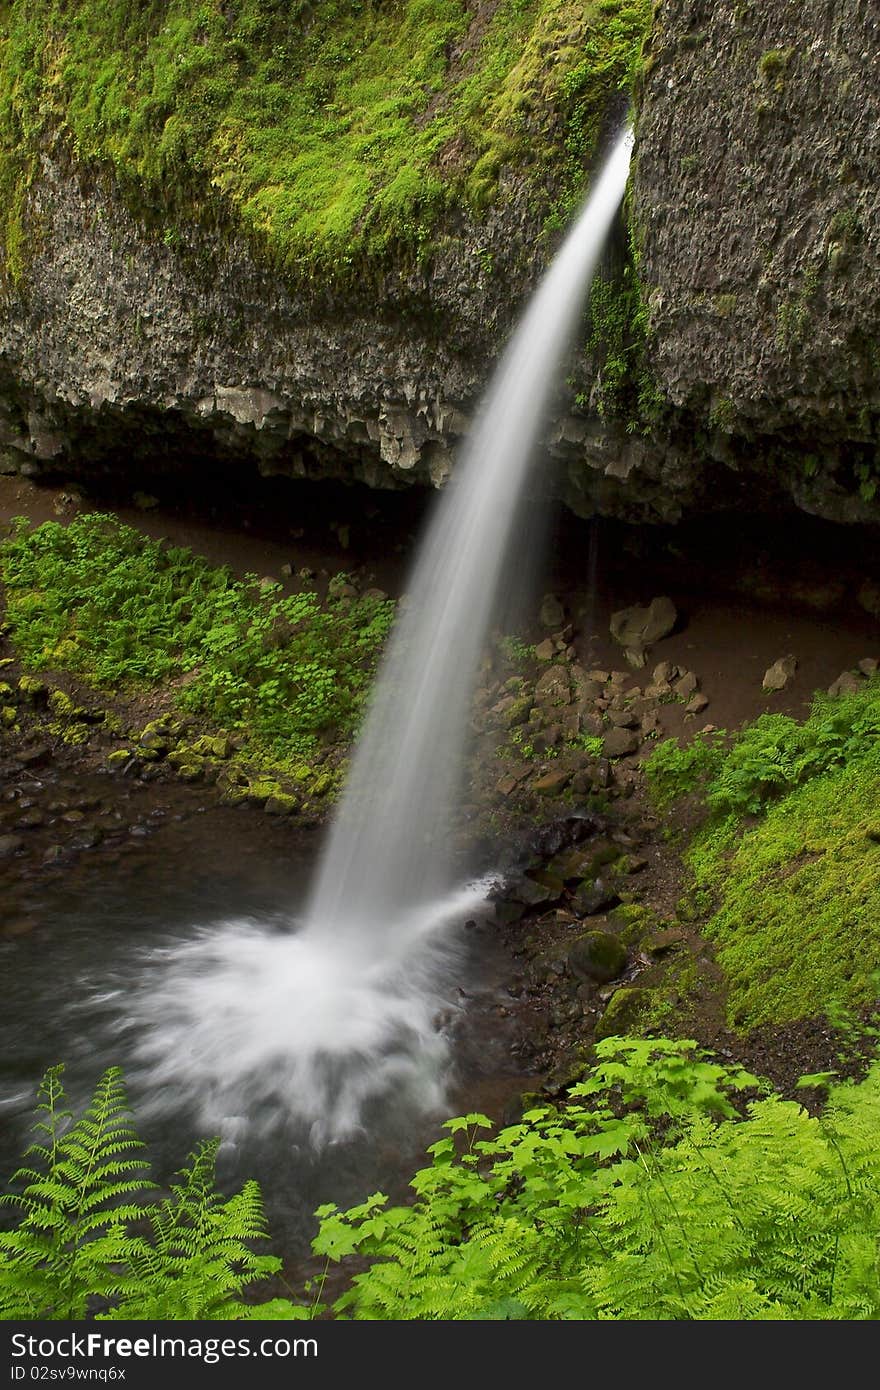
(617, 341)
(774, 64)
(331, 133)
(798, 918)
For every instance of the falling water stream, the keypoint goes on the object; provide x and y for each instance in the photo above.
(318, 1020)
(306, 1023)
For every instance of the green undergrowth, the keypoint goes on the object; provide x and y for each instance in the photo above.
(664, 1187)
(95, 1237)
(332, 131)
(286, 674)
(786, 867)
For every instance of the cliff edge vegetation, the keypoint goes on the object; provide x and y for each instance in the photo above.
(330, 132)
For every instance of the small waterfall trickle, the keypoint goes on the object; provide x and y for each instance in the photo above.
(319, 1022)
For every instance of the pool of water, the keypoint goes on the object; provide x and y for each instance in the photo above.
(92, 983)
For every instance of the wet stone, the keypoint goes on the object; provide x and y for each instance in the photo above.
(591, 898)
(9, 845)
(551, 783)
(686, 686)
(34, 757)
(598, 956)
(620, 742)
(87, 838)
(31, 820)
(780, 674)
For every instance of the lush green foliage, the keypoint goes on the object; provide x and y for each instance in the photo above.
(797, 898)
(98, 598)
(329, 131)
(787, 868)
(673, 770)
(776, 753)
(88, 1239)
(769, 757)
(645, 1197)
(665, 1187)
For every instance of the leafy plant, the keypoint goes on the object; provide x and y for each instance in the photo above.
(649, 1195)
(673, 771)
(89, 1240)
(100, 599)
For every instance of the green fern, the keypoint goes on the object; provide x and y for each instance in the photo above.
(651, 1194)
(82, 1175)
(90, 1242)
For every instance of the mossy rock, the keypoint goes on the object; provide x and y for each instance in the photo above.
(259, 792)
(622, 1011)
(8, 716)
(281, 804)
(322, 784)
(61, 704)
(183, 756)
(518, 712)
(231, 777)
(155, 743)
(597, 955)
(5, 691)
(74, 734)
(212, 746)
(234, 796)
(119, 756)
(191, 772)
(33, 690)
(631, 921)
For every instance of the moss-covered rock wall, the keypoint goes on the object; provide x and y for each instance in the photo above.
(300, 235)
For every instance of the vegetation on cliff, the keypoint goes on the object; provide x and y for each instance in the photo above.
(331, 131)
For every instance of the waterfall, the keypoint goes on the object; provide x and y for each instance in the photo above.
(322, 1021)
(387, 849)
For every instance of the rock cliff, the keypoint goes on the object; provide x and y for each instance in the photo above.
(754, 218)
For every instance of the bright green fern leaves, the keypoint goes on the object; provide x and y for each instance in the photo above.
(89, 1240)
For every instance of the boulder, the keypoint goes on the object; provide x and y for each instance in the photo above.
(9, 845)
(685, 686)
(847, 683)
(598, 956)
(546, 650)
(552, 614)
(780, 674)
(594, 897)
(517, 712)
(666, 672)
(552, 782)
(638, 628)
(554, 686)
(696, 705)
(620, 742)
(622, 1011)
(623, 718)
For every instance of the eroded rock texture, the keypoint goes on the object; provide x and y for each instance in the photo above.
(756, 213)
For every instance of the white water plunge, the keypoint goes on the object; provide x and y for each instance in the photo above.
(322, 1020)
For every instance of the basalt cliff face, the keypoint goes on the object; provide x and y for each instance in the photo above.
(754, 215)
